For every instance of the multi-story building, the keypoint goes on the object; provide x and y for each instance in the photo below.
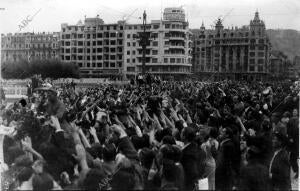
(96, 48)
(278, 66)
(236, 53)
(29, 46)
(114, 50)
(169, 50)
(294, 68)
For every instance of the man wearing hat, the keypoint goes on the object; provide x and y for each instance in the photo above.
(55, 106)
(279, 169)
(254, 175)
(282, 124)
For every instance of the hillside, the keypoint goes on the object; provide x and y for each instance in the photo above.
(285, 40)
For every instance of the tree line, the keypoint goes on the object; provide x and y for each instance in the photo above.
(46, 68)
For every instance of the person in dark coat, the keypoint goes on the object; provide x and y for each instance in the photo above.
(168, 177)
(254, 176)
(279, 170)
(191, 158)
(263, 140)
(55, 106)
(225, 167)
(2, 95)
(293, 136)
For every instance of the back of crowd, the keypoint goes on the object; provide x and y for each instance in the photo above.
(153, 135)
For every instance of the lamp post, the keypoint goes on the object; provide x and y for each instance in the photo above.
(144, 39)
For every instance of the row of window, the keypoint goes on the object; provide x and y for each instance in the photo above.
(92, 50)
(260, 68)
(21, 39)
(93, 35)
(7, 56)
(155, 60)
(100, 27)
(100, 65)
(167, 69)
(99, 57)
(232, 35)
(156, 26)
(154, 52)
(92, 43)
(48, 45)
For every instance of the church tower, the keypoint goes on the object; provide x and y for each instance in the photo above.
(257, 26)
(219, 26)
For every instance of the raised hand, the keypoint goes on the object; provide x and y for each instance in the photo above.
(26, 144)
(118, 130)
(75, 128)
(174, 114)
(93, 131)
(54, 122)
(80, 153)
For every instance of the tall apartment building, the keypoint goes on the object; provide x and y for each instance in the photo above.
(114, 50)
(29, 46)
(236, 53)
(169, 50)
(96, 48)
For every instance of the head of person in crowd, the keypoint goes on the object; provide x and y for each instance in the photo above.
(109, 152)
(213, 133)
(279, 140)
(23, 102)
(275, 117)
(123, 180)
(95, 179)
(146, 156)
(254, 154)
(52, 95)
(38, 166)
(24, 178)
(226, 133)
(188, 135)
(285, 117)
(42, 181)
(295, 113)
(266, 126)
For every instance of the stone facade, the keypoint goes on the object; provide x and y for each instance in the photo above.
(236, 53)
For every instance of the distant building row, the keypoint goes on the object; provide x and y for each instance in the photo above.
(29, 46)
(113, 50)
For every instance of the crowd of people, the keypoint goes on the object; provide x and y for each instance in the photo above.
(153, 135)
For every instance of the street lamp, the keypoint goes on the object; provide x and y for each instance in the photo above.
(144, 42)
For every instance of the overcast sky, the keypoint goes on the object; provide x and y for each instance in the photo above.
(284, 14)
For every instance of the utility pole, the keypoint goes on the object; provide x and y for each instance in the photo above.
(144, 42)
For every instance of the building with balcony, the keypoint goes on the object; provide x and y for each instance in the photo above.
(294, 68)
(29, 46)
(96, 47)
(278, 66)
(236, 53)
(114, 51)
(169, 49)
